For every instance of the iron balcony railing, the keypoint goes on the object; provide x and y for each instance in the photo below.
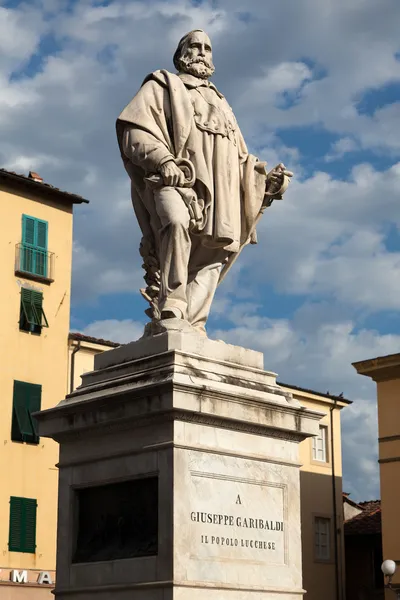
(34, 261)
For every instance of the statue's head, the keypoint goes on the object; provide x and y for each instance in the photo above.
(194, 55)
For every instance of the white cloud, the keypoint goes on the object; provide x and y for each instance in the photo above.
(117, 331)
(360, 449)
(327, 237)
(269, 87)
(20, 33)
(340, 148)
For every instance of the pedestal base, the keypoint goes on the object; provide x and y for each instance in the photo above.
(179, 476)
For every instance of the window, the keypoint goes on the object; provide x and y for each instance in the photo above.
(319, 446)
(22, 533)
(26, 401)
(32, 317)
(322, 538)
(34, 255)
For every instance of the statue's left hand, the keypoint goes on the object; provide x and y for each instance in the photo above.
(276, 178)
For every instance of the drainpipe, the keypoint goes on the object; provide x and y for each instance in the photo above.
(334, 503)
(72, 374)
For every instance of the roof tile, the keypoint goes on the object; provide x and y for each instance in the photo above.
(367, 522)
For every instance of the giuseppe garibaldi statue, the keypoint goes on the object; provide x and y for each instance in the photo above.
(196, 191)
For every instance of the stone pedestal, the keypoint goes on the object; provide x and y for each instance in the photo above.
(179, 476)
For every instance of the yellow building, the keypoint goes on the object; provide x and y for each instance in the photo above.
(385, 370)
(320, 476)
(322, 499)
(35, 273)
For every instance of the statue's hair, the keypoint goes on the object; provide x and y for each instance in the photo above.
(178, 51)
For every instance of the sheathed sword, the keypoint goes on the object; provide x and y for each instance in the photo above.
(269, 197)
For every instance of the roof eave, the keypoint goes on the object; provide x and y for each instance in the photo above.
(42, 189)
(335, 399)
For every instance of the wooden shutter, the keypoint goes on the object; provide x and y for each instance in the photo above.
(41, 248)
(34, 232)
(41, 234)
(21, 408)
(37, 308)
(34, 241)
(15, 527)
(35, 400)
(30, 507)
(26, 312)
(22, 528)
(26, 400)
(28, 241)
(28, 230)
(32, 316)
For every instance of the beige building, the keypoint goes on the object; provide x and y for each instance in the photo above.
(322, 499)
(321, 479)
(385, 370)
(35, 273)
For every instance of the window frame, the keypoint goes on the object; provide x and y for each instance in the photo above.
(314, 449)
(317, 555)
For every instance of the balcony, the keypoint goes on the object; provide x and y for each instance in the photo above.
(34, 263)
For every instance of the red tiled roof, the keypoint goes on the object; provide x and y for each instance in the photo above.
(366, 522)
(92, 340)
(36, 184)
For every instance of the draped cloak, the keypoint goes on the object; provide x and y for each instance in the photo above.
(180, 116)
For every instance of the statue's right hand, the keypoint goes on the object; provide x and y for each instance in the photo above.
(172, 174)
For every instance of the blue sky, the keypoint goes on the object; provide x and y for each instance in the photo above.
(315, 84)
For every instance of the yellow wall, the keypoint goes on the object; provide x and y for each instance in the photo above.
(386, 372)
(389, 450)
(29, 470)
(316, 485)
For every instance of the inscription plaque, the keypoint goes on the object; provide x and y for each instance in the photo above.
(238, 519)
(118, 520)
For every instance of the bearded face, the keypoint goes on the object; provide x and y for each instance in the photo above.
(197, 66)
(196, 56)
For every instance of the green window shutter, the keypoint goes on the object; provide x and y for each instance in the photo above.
(15, 527)
(41, 251)
(34, 246)
(22, 531)
(41, 234)
(26, 311)
(30, 525)
(26, 400)
(35, 401)
(28, 230)
(37, 307)
(32, 315)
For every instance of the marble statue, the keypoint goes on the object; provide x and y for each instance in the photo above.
(196, 191)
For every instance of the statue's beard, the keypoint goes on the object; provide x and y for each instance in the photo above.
(199, 67)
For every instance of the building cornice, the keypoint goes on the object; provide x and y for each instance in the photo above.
(381, 368)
